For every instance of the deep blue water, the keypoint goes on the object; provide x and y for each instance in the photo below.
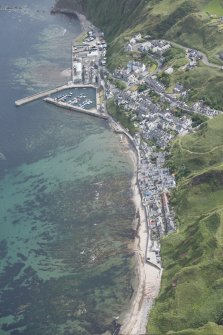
(65, 200)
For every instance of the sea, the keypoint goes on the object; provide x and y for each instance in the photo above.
(66, 213)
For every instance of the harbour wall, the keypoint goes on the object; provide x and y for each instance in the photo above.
(75, 108)
(40, 95)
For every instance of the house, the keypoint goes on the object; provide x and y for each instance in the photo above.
(145, 47)
(178, 88)
(138, 37)
(136, 67)
(133, 41)
(169, 70)
(128, 48)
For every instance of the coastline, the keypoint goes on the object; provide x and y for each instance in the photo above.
(148, 278)
(84, 22)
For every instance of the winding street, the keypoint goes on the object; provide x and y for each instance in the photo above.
(204, 56)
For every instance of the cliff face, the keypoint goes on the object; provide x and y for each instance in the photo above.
(76, 5)
(112, 16)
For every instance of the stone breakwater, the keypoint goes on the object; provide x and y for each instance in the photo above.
(41, 95)
(75, 108)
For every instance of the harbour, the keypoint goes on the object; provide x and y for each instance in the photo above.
(75, 108)
(44, 94)
(87, 60)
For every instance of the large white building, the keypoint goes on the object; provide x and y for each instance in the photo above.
(77, 71)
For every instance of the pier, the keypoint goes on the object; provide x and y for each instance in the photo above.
(67, 106)
(44, 94)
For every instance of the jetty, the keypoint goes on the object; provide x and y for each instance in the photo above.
(44, 94)
(92, 112)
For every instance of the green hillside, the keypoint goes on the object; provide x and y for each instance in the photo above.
(209, 329)
(192, 23)
(192, 286)
(112, 16)
(196, 153)
(204, 83)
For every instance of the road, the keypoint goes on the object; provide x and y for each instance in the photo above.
(204, 56)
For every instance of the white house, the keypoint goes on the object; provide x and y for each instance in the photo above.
(136, 67)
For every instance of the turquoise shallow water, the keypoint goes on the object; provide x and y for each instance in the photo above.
(65, 199)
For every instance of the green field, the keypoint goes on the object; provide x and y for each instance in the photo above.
(203, 82)
(200, 151)
(152, 68)
(192, 286)
(214, 7)
(209, 329)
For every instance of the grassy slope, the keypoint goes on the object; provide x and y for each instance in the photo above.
(205, 83)
(200, 151)
(112, 16)
(209, 329)
(215, 7)
(192, 285)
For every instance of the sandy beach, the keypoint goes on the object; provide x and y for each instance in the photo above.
(149, 277)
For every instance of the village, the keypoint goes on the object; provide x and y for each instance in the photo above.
(153, 112)
(157, 116)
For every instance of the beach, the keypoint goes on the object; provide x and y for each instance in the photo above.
(148, 277)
